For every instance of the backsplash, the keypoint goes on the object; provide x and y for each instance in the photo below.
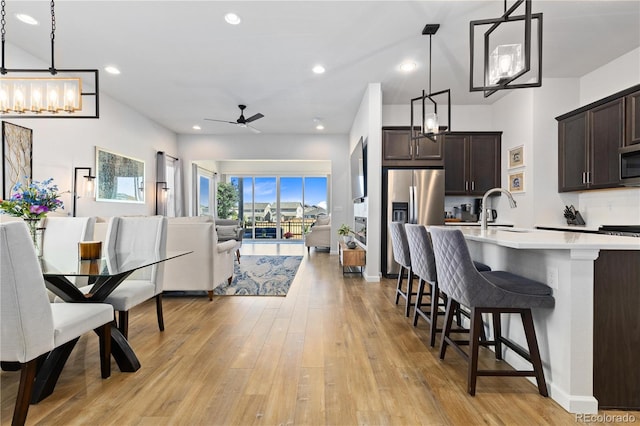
(610, 207)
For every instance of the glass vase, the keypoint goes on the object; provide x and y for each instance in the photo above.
(35, 230)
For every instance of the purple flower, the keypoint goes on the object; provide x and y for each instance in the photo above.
(37, 209)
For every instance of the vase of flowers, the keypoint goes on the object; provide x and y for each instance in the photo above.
(32, 202)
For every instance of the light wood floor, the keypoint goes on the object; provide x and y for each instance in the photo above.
(336, 351)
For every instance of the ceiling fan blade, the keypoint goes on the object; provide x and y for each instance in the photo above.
(253, 129)
(220, 121)
(253, 118)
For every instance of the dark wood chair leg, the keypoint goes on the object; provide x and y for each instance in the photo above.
(534, 352)
(497, 334)
(399, 286)
(27, 378)
(210, 294)
(159, 311)
(474, 342)
(104, 337)
(418, 301)
(238, 255)
(407, 308)
(123, 323)
(446, 330)
(433, 327)
(230, 280)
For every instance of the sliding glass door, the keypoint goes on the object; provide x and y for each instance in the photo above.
(280, 207)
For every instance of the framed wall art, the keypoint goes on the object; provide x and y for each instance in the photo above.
(516, 157)
(17, 161)
(516, 182)
(119, 178)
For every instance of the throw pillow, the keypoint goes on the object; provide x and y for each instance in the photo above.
(226, 232)
(323, 220)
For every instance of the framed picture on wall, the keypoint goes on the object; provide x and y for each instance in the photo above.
(17, 162)
(516, 182)
(516, 157)
(119, 178)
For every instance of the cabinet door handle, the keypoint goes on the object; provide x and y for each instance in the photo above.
(466, 185)
(473, 185)
(583, 178)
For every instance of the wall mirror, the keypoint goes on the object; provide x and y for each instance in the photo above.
(119, 178)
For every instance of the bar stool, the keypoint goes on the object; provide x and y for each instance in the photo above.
(401, 255)
(424, 267)
(494, 292)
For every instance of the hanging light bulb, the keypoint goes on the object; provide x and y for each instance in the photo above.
(505, 61)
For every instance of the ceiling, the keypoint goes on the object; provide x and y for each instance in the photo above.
(181, 62)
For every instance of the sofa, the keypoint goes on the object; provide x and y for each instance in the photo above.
(230, 229)
(320, 234)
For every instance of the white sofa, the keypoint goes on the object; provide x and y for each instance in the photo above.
(210, 264)
(320, 235)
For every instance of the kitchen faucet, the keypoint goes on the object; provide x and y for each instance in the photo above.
(512, 203)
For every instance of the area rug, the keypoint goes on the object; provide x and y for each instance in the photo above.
(261, 276)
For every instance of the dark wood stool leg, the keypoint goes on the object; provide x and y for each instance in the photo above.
(407, 308)
(433, 327)
(534, 352)
(418, 301)
(497, 334)
(159, 311)
(474, 346)
(399, 286)
(448, 320)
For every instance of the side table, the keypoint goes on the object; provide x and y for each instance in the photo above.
(350, 259)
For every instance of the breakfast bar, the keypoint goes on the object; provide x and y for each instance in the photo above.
(587, 341)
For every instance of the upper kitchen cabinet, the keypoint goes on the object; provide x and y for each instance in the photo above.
(589, 139)
(632, 105)
(399, 150)
(471, 162)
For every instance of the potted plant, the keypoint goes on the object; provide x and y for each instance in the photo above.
(344, 232)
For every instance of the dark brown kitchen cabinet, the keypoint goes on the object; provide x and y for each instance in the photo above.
(632, 105)
(588, 145)
(471, 162)
(399, 149)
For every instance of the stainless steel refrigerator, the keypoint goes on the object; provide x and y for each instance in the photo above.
(411, 196)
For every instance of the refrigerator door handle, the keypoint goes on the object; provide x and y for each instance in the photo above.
(412, 204)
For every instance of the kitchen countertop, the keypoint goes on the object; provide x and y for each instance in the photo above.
(476, 224)
(522, 238)
(573, 228)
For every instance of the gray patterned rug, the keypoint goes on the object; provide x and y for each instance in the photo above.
(261, 276)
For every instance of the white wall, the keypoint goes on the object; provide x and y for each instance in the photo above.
(463, 117)
(217, 148)
(368, 125)
(617, 75)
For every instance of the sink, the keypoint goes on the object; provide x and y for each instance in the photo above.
(513, 229)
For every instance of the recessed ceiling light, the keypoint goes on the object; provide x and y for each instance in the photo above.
(318, 69)
(319, 126)
(408, 66)
(112, 70)
(232, 18)
(26, 19)
(196, 127)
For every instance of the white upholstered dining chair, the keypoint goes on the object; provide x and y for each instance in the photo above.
(140, 235)
(31, 326)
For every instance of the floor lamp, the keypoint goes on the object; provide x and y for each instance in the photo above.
(88, 188)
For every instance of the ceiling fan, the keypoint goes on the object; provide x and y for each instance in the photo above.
(241, 121)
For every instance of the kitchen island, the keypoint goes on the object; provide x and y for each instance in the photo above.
(589, 342)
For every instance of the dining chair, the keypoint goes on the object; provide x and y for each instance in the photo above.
(492, 292)
(32, 327)
(60, 241)
(138, 235)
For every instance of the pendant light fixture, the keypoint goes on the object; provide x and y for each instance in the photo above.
(506, 50)
(27, 93)
(431, 122)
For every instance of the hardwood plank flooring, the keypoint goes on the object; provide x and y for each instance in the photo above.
(335, 351)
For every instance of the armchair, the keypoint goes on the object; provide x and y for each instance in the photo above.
(230, 229)
(320, 235)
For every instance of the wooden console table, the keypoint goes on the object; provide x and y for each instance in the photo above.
(351, 258)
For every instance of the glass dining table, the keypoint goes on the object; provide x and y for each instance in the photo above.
(102, 276)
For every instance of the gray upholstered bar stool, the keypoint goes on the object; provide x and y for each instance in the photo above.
(494, 292)
(400, 247)
(423, 265)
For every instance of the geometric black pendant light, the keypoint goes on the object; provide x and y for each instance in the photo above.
(511, 57)
(431, 122)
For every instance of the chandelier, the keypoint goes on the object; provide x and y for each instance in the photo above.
(28, 93)
(506, 50)
(431, 123)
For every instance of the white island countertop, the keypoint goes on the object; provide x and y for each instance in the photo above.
(522, 238)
